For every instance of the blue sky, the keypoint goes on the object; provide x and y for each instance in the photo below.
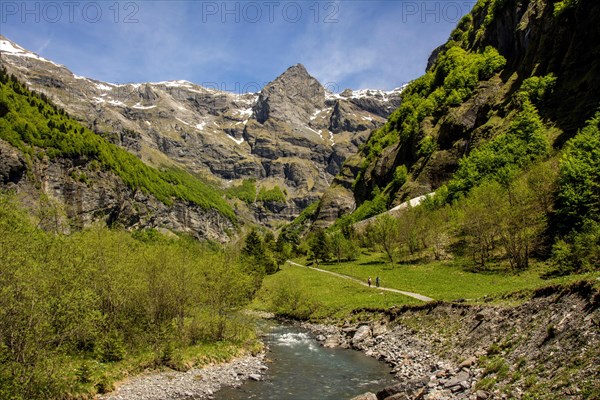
(236, 45)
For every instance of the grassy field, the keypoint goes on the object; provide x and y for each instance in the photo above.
(306, 293)
(445, 280)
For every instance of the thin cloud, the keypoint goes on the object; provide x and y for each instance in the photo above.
(370, 45)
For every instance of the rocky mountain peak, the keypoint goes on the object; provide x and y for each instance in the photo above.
(293, 96)
(293, 134)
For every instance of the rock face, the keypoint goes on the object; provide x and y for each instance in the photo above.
(293, 133)
(104, 197)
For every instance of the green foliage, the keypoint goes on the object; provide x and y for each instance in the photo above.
(385, 233)
(536, 88)
(400, 175)
(371, 208)
(32, 123)
(579, 252)
(260, 254)
(562, 6)
(245, 192)
(426, 148)
(452, 81)
(320, 246)
(502, 158)
(578, 197)
(342, 248)
(271, 195)
(102, 297)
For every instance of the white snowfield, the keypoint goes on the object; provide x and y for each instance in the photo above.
(16, 50)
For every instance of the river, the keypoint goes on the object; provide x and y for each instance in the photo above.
(301, 369)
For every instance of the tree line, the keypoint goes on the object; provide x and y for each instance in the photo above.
(71, 305)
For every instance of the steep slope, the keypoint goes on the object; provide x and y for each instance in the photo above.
(472, 92)
(61, 169)
(292, 134)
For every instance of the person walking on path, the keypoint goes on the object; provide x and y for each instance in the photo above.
(377, 281)
(369, 281)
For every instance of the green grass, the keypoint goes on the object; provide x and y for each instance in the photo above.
(308, 294)
(446, 280)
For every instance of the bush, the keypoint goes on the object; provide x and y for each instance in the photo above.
(271, 195)
(536, 88)
(578, 197)
(111, 348)
(245, 192)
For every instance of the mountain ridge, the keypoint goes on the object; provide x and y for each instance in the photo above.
(292, 135)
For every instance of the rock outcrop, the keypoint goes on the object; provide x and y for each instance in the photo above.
(102, 197)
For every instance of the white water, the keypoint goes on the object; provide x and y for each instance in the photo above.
(303, 370)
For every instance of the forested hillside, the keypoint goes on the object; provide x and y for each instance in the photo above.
(503, 127)
(47, 153)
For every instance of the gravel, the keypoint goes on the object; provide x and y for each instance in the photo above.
(193, 384)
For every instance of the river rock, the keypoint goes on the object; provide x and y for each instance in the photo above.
(482, 395)
(254, 377)
(365, 396)
(456, 381)
(362, 333)
(469, 362)
(332, 342)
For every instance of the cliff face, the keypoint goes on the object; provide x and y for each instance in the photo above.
(102, 197)
(536, 38)
(292, 133)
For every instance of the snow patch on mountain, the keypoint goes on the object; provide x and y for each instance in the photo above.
(238, 141)
(16, 50)
(138, 106)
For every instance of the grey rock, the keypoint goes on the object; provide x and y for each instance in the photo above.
(462, 376)
(362, 333)
(12, 164)
(365, 396)
(469, 362)
(482, 395)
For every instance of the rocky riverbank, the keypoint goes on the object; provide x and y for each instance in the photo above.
(194, 384)
(547, 347)
(420, 372)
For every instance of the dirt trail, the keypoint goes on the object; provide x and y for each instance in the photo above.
(410, 294)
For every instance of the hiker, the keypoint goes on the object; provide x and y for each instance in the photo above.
(377, 281)
(369, 280)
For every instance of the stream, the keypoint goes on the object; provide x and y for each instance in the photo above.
(301, 369)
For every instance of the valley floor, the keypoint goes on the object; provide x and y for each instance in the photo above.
(491, 334)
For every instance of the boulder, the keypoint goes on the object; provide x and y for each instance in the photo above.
(456, 381)
(469, 362)
(365, 396)
(362, 333)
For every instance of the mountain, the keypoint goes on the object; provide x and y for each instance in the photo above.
(293, 136)
(507, 62)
